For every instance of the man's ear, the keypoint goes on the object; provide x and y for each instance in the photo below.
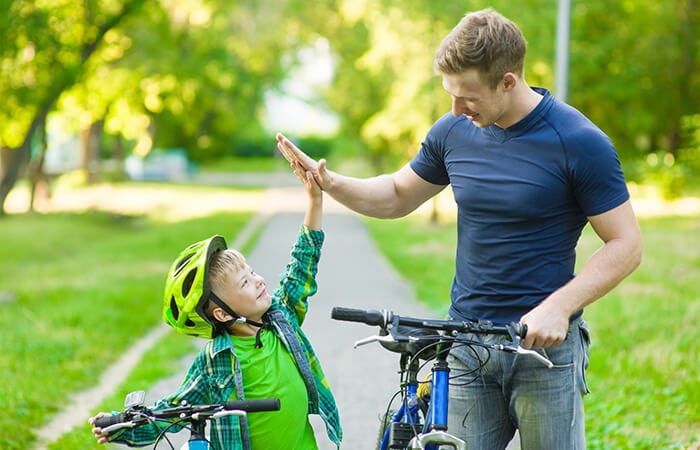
(220, 315)
(509, 81)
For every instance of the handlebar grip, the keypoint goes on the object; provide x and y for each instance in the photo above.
(263, 404)
(370, 317)
(106, 421)
(520, 329)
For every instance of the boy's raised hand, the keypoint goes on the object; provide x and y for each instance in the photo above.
(308, 180)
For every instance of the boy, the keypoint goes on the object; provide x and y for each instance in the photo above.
(257, 348)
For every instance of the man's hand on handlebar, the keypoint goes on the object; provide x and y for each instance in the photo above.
(546, 327)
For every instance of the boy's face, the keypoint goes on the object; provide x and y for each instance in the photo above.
(246, 293)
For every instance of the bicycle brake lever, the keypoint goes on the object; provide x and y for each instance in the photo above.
(540, 358)
(375, 338)
(524, 351)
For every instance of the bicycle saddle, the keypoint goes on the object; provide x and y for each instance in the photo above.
(423, 342)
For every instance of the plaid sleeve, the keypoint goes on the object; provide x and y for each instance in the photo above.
(298, 282)
(193, 390)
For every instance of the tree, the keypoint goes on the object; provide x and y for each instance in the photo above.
(46, 54)
(633, 71)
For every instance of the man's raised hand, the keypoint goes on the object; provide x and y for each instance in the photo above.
(299, 160)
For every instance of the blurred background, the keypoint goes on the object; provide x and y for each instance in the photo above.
(131, 127)
(154, 88)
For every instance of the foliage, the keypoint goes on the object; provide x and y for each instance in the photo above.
(643, 372)
(71, 282)
(193, 74)
(640, 86)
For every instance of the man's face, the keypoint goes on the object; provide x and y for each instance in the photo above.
(474, 99)
(246, 293)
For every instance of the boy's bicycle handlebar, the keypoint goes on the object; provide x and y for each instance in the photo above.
(132, 417)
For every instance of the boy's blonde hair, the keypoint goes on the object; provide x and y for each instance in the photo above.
(486, 41)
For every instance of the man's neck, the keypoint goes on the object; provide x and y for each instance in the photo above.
(524, 100)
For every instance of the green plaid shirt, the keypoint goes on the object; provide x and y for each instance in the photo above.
(215, 375)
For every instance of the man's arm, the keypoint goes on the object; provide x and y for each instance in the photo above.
(619, 256)
(385, 196)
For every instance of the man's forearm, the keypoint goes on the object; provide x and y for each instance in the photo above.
(611, 264)
(374, 197)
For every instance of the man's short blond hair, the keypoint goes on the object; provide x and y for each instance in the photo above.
(486, 41)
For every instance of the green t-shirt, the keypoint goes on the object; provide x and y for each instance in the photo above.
(270, 371)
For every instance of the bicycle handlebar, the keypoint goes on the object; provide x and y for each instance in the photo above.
(178, 412)
(385, 317)
(108, 421)
(515, 331)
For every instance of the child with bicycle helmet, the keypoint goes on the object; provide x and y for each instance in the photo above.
(256, 347)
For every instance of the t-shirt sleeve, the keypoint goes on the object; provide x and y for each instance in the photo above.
(599, 183)
(429, 162)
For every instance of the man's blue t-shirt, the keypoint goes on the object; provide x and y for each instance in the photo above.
(523, 194)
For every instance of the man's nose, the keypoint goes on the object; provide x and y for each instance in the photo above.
(459, 107)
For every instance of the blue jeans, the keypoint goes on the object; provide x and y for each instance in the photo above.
(518, 392)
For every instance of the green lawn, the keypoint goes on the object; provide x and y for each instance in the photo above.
(644, 374)
(76, 291)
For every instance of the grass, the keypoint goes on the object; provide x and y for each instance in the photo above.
(78, 290)
(162, 361)
(644, 360)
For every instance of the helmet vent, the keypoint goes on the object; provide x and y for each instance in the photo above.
(173, 308)
(187, 282)
(182, 263)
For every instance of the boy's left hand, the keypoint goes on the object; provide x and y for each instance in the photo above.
(307, 179)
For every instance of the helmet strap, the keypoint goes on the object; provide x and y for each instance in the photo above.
(238, 318)
(265, 324)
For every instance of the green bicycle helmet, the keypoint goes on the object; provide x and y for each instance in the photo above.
(187, 289)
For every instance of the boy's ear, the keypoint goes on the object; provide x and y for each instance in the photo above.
(220, 315)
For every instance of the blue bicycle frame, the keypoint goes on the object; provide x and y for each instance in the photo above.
(407, 420)
(420, 340)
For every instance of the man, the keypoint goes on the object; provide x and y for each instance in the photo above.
(528, 172)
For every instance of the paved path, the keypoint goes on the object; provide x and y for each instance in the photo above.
(352, 273)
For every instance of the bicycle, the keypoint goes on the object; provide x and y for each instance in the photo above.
(193, 417)
(421, 420)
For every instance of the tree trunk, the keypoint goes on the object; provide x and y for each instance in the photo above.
(37, 176)
(16, 159)
(90, 143)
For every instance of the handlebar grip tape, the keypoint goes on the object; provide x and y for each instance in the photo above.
(370, 317)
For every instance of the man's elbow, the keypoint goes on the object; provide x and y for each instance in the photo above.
(635, 254)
